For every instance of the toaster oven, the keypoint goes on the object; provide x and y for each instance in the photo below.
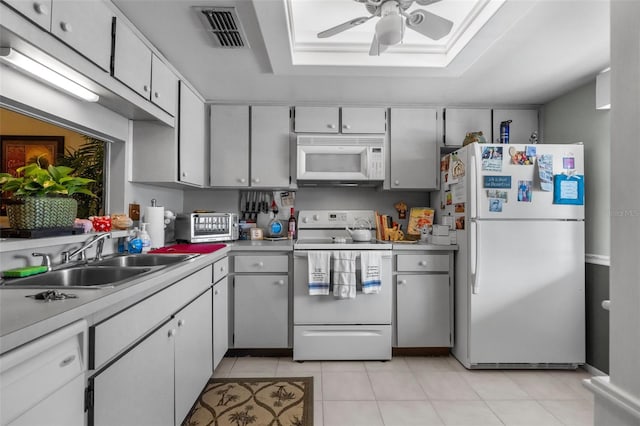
(206, 227)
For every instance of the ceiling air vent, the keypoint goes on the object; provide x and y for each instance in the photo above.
(224, 26)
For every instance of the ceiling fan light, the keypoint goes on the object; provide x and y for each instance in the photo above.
(389, 29)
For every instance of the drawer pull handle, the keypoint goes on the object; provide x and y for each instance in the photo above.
(402, 282)
(260, 264)
(41, 9)
(181, 322)
(172, 332)
(66, 27)
(280, 282)
(422, 263)
(216, 292)
(242, 180)
(68, 360)
(396, 182)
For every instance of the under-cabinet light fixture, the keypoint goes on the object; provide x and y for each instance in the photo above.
(36, 69)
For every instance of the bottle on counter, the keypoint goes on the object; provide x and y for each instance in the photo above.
(292, 225)
(145, 238)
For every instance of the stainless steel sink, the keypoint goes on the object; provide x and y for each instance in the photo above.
(78, 277)
(129, 260)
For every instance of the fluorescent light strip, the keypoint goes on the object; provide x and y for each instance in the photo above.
(40, 71)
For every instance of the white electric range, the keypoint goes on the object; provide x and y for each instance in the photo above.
(326, 327)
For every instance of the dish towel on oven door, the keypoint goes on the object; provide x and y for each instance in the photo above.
(318, 266)
(370, 262)
(344, 274)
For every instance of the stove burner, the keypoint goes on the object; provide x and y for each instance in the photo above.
(338, 240)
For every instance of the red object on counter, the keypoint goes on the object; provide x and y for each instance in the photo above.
(189, 248)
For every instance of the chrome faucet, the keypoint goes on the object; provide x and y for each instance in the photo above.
(46, 259)
(98, 240)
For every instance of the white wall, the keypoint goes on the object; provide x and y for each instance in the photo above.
(573, 118)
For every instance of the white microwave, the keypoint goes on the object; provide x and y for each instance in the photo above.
(340, 158)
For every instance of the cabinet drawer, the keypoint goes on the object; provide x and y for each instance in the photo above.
(261, 263)
(119, 331)
(423, 262)
(220, 269)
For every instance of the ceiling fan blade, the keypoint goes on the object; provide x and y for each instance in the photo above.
(376, 47)
(344, 26)
(426, 2)
(429, 24)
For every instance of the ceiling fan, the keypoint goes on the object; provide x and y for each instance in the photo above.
(390, 28)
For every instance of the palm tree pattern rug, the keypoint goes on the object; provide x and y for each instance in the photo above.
(281, 401)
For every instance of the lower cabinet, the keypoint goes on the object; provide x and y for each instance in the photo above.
(424, 302)
(260, 311)
(154, 379)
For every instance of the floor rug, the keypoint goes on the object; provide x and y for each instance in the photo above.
(277, 401)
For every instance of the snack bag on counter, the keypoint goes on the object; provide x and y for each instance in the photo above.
(101, 223)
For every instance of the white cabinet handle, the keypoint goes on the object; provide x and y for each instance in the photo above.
(280, 282)
(184, 174)
(606, 304)
(396, 182)
(156, 94)
(181, 322)
(346, 126)
(242, 180)
(422, 263)
(41, 9)
(216, 292)
(172, 332)
(256, 180)
(401, 282)
(260, 264)
(145, 88)
(331, 126)
(68, 360)
(66, 27)
(222, 269)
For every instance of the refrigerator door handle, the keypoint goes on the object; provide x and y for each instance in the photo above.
(473, 190)
(473, 256)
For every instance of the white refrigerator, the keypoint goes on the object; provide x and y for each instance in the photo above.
(519, 275)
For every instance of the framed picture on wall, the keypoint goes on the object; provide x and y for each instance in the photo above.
(18, 151)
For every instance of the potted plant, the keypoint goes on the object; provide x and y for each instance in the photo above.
(41, 197)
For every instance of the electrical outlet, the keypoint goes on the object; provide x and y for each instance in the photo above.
(134, 211)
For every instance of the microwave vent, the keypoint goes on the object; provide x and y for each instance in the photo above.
(224, 26)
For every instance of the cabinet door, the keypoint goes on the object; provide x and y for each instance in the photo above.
(85, 25)
(164, 86)
(191, 138)
(193, 353)
(270, 146)
(132, 60)
(317, 119)
(423, 310)
(524, 123)
(229, 146)
(414, 150)
(37, 11)
(459, 121)
(260, 311)
(220, 320)
(364, 120)
(138, 388)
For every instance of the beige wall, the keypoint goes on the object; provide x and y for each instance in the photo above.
(13, 123)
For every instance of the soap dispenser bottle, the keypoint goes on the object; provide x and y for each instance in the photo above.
(144, 236)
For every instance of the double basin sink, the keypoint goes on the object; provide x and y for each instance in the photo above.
(108, 272)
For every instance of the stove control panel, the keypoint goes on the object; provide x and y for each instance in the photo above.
(318, 219)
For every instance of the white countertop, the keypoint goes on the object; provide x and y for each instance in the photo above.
(23, 319)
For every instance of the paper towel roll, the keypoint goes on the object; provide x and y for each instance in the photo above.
(154, 216)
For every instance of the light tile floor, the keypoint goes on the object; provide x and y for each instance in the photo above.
(425, 391)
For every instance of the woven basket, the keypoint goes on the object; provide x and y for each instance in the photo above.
(42, 212)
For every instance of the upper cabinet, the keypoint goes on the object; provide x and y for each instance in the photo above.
(270, 129)
(191, 138)
(523, 123)
(255, 154)
(136, 66)
(229, 165)
(414, 148)
(460, 121)
(340, 120)
(83, 25)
